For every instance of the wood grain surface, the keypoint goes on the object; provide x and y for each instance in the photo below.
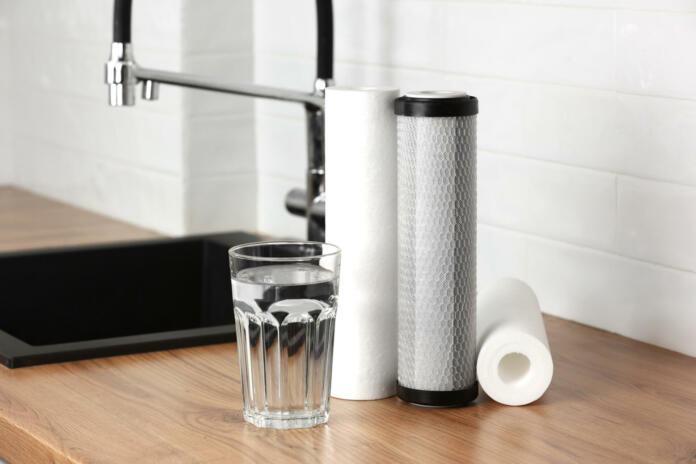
(611, 400)
(32, 221)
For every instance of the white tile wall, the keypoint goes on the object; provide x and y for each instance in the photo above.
(213, 203)
(587, 129)
(217, 145)
(142, 138)
(281, 152)
(640, 300)
(142, 196)
(650, 51)
(273, 219)
(234, 67)
(657, 222)
(217, 26)
(552, 200)
(683, 6)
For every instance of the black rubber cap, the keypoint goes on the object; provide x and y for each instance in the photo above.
(441, 399)
(433, 103)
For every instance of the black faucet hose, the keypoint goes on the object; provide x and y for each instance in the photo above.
(122, 20)
(324, 39)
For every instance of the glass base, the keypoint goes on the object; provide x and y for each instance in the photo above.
(285, 421)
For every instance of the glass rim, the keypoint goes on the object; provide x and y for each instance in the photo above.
(235, 251)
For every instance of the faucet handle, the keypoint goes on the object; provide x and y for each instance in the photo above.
(120, 75)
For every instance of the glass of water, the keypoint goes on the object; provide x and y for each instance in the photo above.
(285, 296)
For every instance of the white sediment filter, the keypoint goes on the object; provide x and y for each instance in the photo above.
(437, 248)
(361, 220)
(514, 361)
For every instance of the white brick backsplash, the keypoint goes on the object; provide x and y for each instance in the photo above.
(126, 134)
(646, 137)
(368, 32)
(657, 222)
(655, 138)
(286, 71)
(282, 151)
(273, 217)
(565, 203)
(654, 54)
(221, 203)
(286, 27)
(218, 145)
(156, 23)
(560, 45)
(683, 6)
(77, 19)
(217, 26)
(6, 171)
(641, 136)
(140, 196)
(640, 300)
(500, 253)
(641, 219)
(227, 67)
(279, 71)
(630, 134)
(197, 26)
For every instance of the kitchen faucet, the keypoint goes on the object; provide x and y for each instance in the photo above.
(123, 75)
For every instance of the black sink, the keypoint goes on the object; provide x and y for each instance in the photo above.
(104, 300)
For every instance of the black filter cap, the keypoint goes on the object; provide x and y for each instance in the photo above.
(432, 103)
(438, 399)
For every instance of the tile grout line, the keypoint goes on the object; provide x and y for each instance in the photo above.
(572, 6)
(483, 77)
(531, 159)
(100, 157)
(615, 228)
(618, 174)
(557, 242)
(144, 107)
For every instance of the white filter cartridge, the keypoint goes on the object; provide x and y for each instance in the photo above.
(514, 364)
(361, 219)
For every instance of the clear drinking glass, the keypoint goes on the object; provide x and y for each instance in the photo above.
(285, 296)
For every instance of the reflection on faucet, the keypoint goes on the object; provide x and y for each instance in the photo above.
(123, 74)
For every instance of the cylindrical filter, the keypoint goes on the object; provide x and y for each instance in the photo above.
(436, 140)
(361, 219)
(514, 364)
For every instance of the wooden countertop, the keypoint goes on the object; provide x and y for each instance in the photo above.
(611, 400)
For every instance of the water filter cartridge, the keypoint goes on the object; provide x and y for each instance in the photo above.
(436, 177)
(514, 362)
(361, 218)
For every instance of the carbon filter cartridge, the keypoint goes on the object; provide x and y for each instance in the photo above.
(436, 146)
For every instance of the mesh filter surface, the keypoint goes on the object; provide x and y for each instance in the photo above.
(437, 252)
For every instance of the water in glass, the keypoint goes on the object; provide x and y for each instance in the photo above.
(285, 317)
